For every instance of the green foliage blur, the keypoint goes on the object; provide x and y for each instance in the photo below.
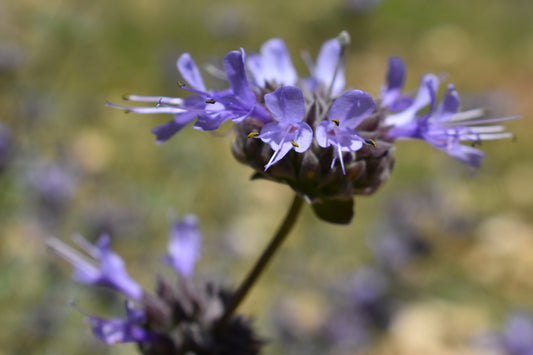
(60, 61)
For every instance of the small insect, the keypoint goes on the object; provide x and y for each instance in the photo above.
(253, 134)
(372, 142)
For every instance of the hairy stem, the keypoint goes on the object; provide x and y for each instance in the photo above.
(280, 236)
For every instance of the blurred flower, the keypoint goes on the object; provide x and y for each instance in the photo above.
(110, 270)
(52, 186)
(6, 147)
(367, 310)
(517, 335)
(362, 6)
(184, 245)
(515, 338)
(177, 319)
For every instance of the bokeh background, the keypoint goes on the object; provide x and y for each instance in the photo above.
(433, 262)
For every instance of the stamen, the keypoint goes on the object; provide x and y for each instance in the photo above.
(126, 97)
(336, 121)
(294, 144)
(210, 101)
(181, 84)
(253, 134)
(372, 142)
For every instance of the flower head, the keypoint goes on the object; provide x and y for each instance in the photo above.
(178, 318)
(293, 129)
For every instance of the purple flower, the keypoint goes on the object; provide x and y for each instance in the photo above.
(6, 146)
(517, 335)
(327, 75)
(289, 131)
(110, 270)
(273, 65)
(346, 113)
(119, 330)
(445, 128)
(210, 108)
(184, 245)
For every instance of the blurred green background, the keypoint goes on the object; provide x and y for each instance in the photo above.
(61, 60)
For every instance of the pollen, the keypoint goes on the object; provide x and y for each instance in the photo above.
(372, 142)
(253, 134)
(337, 122)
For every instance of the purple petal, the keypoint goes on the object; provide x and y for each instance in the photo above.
(396, 73)
(190, 72)
(326, 69)
(113, 271)
(468, 155)
(235, 71)
(449, 105)
(279, 153)
(165, 131)
(118, 330)
(425, 96)
(395, 80)
(321, 133)
(184, 245)
(273, 65)
(518, 334)
(304, 137)
(110, 271)
(352, 108)
(286, 104)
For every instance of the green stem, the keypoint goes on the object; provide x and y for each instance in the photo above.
(260, 265)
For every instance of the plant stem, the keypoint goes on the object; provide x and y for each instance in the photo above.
(280, 236)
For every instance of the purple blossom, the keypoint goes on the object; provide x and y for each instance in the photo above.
(184, 245)
(210, 108)
(119, 330)
(273, 65)
(289, 131)
(110, 270)
(346, 113)
(327, 74)
(445, 128)
(517, 335)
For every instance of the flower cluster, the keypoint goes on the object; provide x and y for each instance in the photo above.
(325, 141)
(177, 319)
